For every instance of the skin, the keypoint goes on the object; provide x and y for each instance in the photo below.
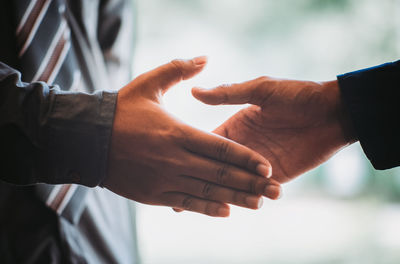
(156, 159)
(296, 125)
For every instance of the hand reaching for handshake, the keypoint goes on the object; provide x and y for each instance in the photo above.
(158, 160)
(296, 125)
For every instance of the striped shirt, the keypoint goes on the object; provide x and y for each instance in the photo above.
(55, 127)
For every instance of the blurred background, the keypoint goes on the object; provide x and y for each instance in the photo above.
(342, 212)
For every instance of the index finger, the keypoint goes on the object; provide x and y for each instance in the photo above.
(225, 150)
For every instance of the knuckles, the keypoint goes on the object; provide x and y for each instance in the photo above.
(187, 203)
(222, 150)
(223, 175)
(208, 190)
(178, 66)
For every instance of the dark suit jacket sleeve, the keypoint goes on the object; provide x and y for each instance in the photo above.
(52, 136)
(372, 97)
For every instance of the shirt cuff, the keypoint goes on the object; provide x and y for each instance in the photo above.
(78, 132)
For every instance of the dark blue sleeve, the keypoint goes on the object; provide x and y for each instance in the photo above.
(51, 136)
(372, 97)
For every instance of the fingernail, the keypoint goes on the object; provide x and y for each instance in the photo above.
(254, 202)
(273, 191)
(223, 211)
(264, 170)
(198, 61)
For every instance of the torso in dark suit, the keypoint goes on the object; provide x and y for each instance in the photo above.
(30, 232)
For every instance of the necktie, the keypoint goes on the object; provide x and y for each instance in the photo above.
(45, 52)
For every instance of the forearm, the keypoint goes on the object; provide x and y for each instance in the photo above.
(51, 136)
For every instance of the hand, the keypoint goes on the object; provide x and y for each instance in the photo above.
(156, 159)
(296, 125)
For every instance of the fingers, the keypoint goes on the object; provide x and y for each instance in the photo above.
(227, 151)
(187, 202)
(167, 75)
(229, 176)
(240, 93)
(210, 191)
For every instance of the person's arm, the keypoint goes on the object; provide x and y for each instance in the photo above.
(372, 97)
(52, 136)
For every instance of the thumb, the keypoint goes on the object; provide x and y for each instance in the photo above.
(167, 75)
(238, 93)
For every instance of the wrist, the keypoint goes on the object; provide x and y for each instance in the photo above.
(340, 114)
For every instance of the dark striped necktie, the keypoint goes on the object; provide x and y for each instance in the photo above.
(45, 52)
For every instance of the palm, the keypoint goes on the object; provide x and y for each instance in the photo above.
(291, 128)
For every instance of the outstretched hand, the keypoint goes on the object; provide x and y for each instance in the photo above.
(296, 125)
(156, 159)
